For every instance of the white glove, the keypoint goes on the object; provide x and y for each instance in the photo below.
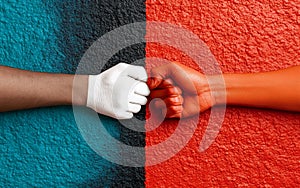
(119, 91)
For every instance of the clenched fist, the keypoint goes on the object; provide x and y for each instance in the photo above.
(184, 91)
(119, 91)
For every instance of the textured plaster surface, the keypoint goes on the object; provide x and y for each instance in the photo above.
(255, 147)
(43, 147)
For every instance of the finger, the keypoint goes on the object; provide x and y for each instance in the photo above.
(137, 99)
(166, 83)
(158, 81)
(125, 115)
(177, 115)
(177, 72)
(134, 108)
(154, 82)
(159, 74)
(168, 102)
(163, 93)
(142, 89)
(172, 111)
(174, 101)
(137, 72)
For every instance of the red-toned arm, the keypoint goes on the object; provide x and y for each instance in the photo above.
(277, 89)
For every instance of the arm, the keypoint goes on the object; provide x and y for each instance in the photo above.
(25, 89)
(277, 89)
(117, 92)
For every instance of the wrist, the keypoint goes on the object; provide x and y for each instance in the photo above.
(235, 89)
(244, 89)
(217, 88)
(80, 90)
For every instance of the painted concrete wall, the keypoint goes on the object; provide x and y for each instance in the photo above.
(43, 147)
(257, 148)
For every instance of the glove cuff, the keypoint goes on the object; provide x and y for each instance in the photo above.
(90, 95)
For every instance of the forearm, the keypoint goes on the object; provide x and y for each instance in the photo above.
(276, 90)
(24, 89)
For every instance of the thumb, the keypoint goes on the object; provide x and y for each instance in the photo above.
(158, 75)
(154, 82)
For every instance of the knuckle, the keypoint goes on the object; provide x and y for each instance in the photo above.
(177, 115)
(171, 108)
(143, 88)
(170, 90)
(130, 115)
(174, 101)
(173, 91)
(175, 108)
(144, 101)
(138, 108)
(123, 65)
(179, 91)
(180, 99)
(141, 69)
(147, 91)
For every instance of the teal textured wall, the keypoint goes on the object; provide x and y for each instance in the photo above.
(43, 147)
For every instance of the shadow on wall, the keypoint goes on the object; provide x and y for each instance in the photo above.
(84, 22)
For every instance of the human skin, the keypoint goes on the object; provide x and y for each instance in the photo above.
(275, 90)
(186, 94)
(22, 89)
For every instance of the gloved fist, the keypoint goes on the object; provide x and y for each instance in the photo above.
(119, 91)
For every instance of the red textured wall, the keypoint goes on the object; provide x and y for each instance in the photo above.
(255, 147)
